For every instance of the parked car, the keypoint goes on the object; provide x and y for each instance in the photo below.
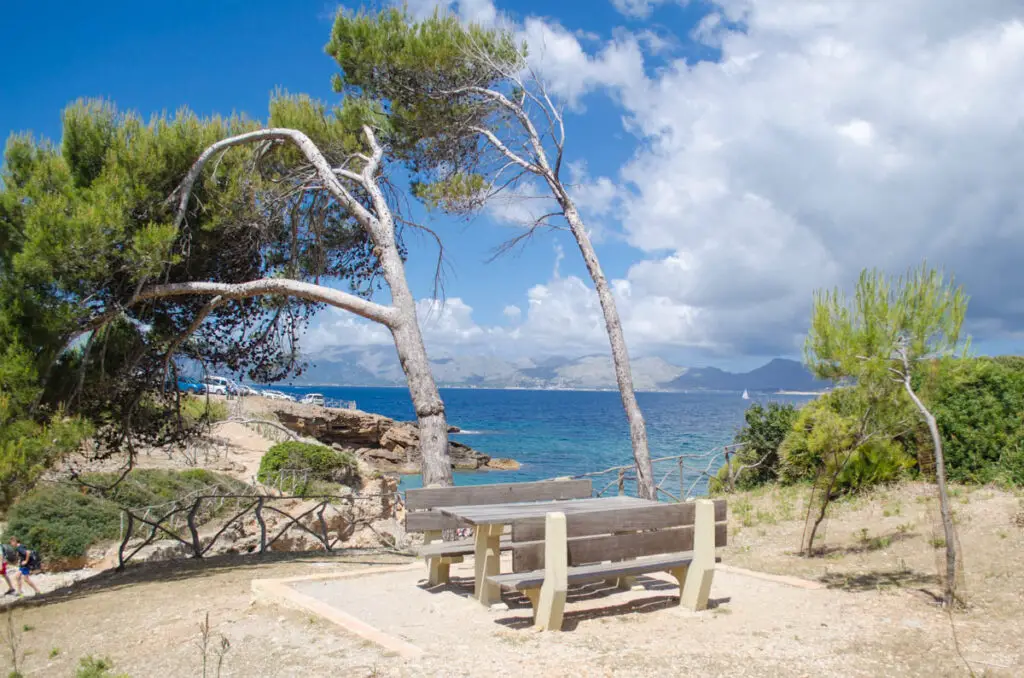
(277, 395)
(247, 390)
(189, 386)
(220, 386)
(313, 399)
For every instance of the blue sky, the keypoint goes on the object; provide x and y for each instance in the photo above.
(778, 149)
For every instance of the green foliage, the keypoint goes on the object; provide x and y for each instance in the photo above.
(64, 521)
(828, 436)
(430, 73)
(919, 313)
(97, 667)
(762, 434)
(979, 407)
(151, 487)
(29, 448)
(84, 222)
(322, 463)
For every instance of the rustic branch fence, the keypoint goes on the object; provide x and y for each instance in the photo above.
(180, 521)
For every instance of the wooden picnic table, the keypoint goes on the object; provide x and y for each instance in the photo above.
(489, 521)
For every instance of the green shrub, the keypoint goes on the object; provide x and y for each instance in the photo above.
(151, 487)
(762, 434)
(313, 462)
(62, 521)
(824, 432)
(978, 404)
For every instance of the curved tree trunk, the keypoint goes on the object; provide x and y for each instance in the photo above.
(412, 354)
(620, 355)
(940, 480)
(436, 465)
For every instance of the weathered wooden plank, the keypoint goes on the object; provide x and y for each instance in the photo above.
(509, 513)
(582, 574)
(499, 493)
(463, 547)
(530, 556)
(422, 521)
(441, 518)
(625, 519)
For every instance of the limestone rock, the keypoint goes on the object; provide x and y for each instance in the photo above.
(381, 443)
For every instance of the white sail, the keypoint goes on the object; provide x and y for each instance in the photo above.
(746, 396)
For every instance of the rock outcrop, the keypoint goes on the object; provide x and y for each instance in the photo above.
(384, 444)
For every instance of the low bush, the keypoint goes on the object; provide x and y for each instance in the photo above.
(825, 432)
(761, 436)
(62, 521)
(151, 487)
(978, 404)
(287, 461)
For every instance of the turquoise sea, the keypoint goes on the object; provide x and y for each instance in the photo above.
(565, 433)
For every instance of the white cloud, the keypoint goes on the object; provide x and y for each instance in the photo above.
(833, 135)
(638, 9)
(512, 312)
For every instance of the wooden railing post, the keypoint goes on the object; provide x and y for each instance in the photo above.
(681, 495)
(124, 540)
(197, 550)
(622, 481)
(263, 525)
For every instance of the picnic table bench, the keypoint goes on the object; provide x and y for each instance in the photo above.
(590, 546)
(422, 515)
(560, 536)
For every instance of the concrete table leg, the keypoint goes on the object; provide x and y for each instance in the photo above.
(487, 562)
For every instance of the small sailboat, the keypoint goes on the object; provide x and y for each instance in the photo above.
(746, 396)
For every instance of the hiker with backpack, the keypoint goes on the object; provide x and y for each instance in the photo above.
(28, 560)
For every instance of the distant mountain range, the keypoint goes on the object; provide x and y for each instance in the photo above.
(378, 366)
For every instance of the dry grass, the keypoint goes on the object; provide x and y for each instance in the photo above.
(890, 539)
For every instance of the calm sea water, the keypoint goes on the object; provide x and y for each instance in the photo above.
(564, 433)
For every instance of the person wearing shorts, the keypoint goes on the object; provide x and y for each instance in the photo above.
(24, 568)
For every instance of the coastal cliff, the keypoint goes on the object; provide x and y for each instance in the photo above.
(384, 444)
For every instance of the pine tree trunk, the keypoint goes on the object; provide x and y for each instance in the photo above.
(620, 355)
(436, 464)
(940, 480)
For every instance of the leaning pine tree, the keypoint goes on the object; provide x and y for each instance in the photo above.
(475, 122)
(878, 337)
(229, 268)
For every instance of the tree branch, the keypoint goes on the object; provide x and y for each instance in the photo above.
(276, 286)
(305, 145)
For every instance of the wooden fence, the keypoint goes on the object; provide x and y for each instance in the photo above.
(671, 474)
(180, 521)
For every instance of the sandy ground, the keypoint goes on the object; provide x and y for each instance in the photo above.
(869, 609)
(148, 622)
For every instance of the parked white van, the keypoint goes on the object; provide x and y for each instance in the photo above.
(313, 399)
(220, 386)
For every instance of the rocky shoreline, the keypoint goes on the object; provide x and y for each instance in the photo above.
(384, 444)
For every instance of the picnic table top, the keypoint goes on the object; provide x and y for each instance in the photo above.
(502, 514)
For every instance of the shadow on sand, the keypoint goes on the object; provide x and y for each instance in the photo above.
(463, 586)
